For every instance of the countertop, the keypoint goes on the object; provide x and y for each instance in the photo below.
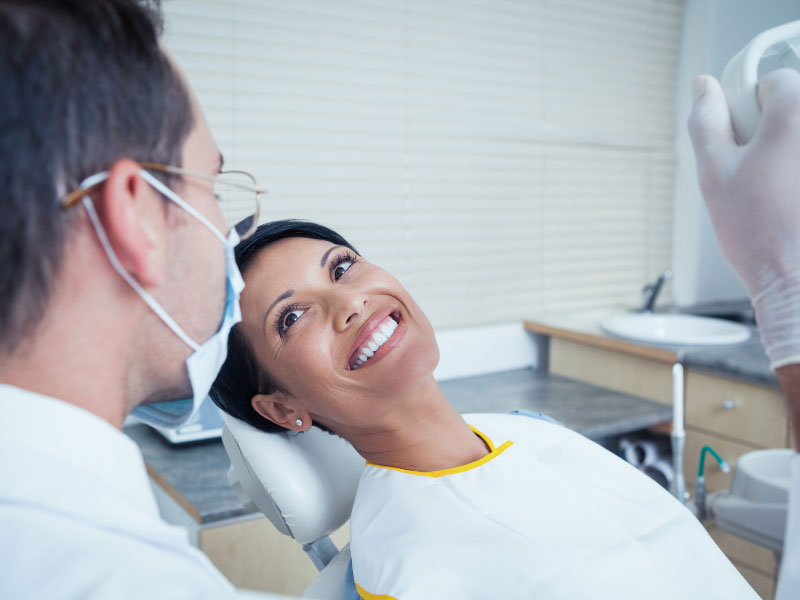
(195, 475)
(593, 411)
(746, 361)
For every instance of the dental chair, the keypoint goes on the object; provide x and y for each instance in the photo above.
(305, 484)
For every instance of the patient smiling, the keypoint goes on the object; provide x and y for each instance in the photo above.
(481, 506)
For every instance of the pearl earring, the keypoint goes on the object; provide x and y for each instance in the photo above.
(299, 422)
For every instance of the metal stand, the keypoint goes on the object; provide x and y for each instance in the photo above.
(321, 552)
(678, 436)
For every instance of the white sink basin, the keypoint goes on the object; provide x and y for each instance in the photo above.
(675, 329)
(763, 475)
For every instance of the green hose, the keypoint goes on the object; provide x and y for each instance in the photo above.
(722, 463)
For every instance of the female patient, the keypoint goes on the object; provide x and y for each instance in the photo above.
(483, 506)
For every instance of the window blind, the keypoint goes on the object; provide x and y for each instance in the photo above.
(503, 158)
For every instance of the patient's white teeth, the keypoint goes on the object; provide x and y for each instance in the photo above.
(379, 337)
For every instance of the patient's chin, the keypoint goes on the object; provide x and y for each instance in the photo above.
(414, 367)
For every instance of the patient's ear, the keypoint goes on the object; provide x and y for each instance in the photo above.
(281, 410)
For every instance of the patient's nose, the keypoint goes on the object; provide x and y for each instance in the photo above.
(351, 307)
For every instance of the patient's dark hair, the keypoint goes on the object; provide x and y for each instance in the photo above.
(241, 377)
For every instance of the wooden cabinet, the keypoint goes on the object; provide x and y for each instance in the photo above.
(254, 555)
(734, 418)
(248, 550)
(752, 414)
(643, 374)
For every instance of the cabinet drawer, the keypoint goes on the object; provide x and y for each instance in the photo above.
(751, 413)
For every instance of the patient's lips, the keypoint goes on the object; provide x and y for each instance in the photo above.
(376, 339)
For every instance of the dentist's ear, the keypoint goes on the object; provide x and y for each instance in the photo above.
(130, 212)
(278, 408)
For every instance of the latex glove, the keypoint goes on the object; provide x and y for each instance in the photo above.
(753, 197)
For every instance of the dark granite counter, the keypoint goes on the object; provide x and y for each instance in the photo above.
(590, 410)
(195, 475)
(746, 361)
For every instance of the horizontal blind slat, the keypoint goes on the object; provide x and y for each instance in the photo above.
(503, 158)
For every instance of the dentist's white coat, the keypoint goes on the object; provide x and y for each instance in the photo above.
(77, 516)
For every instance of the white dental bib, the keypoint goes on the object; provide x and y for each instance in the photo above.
(547, 514)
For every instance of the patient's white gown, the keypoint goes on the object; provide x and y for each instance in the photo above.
(547, 514)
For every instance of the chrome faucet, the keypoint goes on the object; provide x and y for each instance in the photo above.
(652, 290)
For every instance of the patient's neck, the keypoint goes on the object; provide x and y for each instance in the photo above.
(430, 436)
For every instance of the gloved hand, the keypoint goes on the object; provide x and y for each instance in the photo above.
(753, 197)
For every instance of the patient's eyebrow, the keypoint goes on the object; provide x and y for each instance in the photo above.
(327, 253)
(283, 296)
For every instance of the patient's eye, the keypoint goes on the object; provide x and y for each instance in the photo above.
(342, 263)
(288, 317)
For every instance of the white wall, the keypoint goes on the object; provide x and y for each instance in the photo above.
(713, 31)
(468, 351)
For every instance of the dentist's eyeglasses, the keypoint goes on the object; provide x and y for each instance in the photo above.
(237, 192)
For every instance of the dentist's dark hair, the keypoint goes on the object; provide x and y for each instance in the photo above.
(241, 377)
(84, 84)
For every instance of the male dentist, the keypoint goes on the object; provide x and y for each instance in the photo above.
(118, 289)
(753, 196)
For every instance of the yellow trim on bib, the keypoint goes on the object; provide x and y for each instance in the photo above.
(484, 437)
(367, 596)
(493, 453)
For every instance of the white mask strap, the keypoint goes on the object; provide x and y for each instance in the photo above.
(112, 256)
(180, 202)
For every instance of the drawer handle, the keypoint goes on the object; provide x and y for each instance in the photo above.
(728, 405)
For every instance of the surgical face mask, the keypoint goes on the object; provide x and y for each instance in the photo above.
(206, 358)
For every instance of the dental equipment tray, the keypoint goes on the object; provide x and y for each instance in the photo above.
(205, 425)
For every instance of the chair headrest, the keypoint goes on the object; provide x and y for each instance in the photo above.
(304, 483)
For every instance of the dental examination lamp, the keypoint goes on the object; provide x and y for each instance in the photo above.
(770, 50)
(305, 484)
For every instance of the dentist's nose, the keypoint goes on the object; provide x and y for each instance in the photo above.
(350, 307)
